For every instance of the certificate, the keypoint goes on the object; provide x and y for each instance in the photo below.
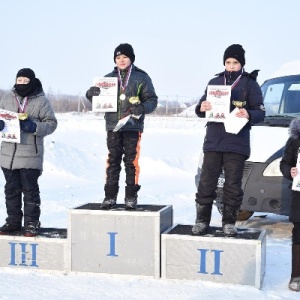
(11, 132)
(219, 98)
(296, 179)
(107, 101)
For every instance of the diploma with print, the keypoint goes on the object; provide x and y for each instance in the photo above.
(296, 179)
(11, 132)
(219, 98)
(107, 101)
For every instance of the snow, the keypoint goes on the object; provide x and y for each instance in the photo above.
(74, 175)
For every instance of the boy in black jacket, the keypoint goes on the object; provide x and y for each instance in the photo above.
(137, 97)
(224, 150)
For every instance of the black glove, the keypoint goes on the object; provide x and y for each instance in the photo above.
(2, 125)
(93, 91)
(137, 109)
(28, 126)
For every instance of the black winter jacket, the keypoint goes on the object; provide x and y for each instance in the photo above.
(288, 161)
(247, 89)
(139, 81)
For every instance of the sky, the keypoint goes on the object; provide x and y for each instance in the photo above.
(180, 44)
(170, 151)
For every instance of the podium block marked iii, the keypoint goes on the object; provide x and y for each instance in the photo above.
(118, 241)
(48, 251)
(213, 257)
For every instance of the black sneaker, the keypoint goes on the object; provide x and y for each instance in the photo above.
(32, 229)
(8, 228)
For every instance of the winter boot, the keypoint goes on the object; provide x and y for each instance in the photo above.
(110, 200)
(32, 229)
(9, 228)
(229, 218)
(294, 284)
(131, 196)
(203, 218)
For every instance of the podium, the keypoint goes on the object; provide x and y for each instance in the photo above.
(48, 251)
(118, 241)
(214, 257)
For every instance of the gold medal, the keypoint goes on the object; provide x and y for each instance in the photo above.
(122, 97)
(23, 116)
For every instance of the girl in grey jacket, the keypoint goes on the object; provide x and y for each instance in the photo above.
(22, 163)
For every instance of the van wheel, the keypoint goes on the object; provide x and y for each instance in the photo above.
(242, 216)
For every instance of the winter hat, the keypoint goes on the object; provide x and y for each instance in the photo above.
(26, 72)
(235, 51)
(125, 49)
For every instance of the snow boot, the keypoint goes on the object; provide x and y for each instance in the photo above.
(111, 194)
(131, 196)
(229, 218)
(32, 229)
(203, 212)
(294, 283)
(10, 228)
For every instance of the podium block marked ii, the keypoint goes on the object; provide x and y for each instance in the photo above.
(48, 251)
(118, 241)
(213, 257)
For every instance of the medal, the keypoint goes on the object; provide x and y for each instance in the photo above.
(122, 97)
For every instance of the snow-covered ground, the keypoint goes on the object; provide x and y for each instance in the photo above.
(74, 175)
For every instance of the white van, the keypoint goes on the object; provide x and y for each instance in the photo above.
(265, 189)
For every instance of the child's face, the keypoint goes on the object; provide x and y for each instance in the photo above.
(231, 65)
(122, 61)
(22, 80)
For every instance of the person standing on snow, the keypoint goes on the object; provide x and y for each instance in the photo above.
(22, 163)
(227, 151)
(288, 168)
(136, 97)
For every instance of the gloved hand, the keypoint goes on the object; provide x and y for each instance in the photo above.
(137, 109)
(93, 91)
(28, 126)
(2, 125)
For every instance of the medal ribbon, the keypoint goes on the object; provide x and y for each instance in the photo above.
(236, 81)
(126, 78)
(22, 107)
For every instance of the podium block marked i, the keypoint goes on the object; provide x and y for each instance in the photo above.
(213, 257)
(48, 251)
(118, 241)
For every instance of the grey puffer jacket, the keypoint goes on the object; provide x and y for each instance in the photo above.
(139, 84)
(288, 161)
(29, 153)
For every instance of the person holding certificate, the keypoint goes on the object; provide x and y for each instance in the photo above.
(22, 163)
(227, 150)
(290, 169)
(136, 97)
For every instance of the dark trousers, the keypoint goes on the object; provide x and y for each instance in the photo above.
(296, 233)
(17, 182)
(213, 163)
(121, 144)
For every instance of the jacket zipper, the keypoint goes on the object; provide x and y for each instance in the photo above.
(12, 159)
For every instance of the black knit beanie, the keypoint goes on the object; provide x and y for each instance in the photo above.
(125, 49)
(26, 72)
(235, 51)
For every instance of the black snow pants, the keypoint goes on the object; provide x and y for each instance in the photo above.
(119, 144)
(18, 182)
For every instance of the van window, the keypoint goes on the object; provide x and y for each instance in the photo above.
(272, 98)
(282, 95)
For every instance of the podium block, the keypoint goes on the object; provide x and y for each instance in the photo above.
(118, 241)
(214, 257)
(48, 251)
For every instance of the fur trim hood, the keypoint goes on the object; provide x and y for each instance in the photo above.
(294, 129)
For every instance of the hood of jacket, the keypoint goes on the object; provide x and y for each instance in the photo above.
(294, 129)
